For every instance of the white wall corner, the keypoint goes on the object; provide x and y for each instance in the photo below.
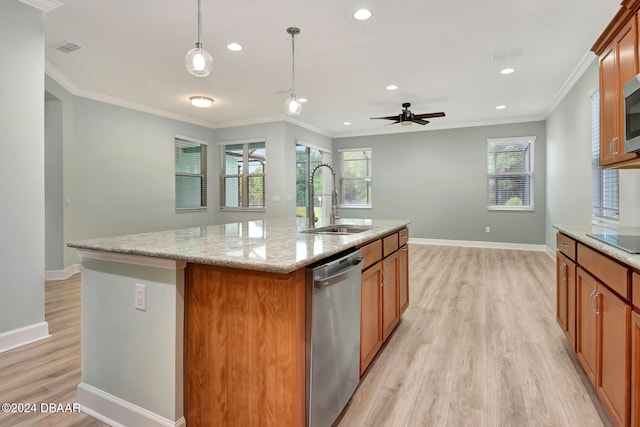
(62, 274)
(23, 336)
(118, 412)
(43, 5)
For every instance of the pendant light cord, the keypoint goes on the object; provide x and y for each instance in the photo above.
(293, 65)
(199, 24)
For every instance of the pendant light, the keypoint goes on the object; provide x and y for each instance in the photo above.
(198, 61)
(292, 106)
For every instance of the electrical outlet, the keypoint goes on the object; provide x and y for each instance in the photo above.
(140, 302)
(487, 229)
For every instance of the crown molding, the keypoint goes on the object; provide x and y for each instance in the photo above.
(43, 5)
(573, 78)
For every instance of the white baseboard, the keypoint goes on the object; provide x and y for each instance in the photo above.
(117, 412)
(551, 252)
(23, 336)
(478, 244)
(62, 274)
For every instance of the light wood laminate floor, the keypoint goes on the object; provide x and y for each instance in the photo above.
(478, 346)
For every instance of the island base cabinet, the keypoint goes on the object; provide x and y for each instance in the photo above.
(244, 347)
(390, 304)
(603, 341)
(370, 320)
(635, 369)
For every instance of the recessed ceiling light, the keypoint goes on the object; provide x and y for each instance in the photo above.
(303, 100)
(392, 87)
(347, 123)
(362, 14)
(507, 71)
(201, 101)
(500, 107)
(234, 47)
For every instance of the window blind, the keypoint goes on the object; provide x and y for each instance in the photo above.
(604, 182)
(191, 175)
(510, 173)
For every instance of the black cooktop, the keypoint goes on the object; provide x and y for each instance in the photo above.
(627, 243)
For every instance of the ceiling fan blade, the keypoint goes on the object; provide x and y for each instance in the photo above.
(428, 115)
(420, 121)
(386, 118)
(393, 123)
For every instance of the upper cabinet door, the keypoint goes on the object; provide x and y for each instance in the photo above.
(618, 65)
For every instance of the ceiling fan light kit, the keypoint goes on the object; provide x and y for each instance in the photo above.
(292, 106)
(406, 117)
(198, 61)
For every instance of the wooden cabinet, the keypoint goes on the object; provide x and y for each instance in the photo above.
(385, 292)
(635, 369)
(618, 65)
(603, 321)
(566, 296)
(403, 279)
(390, 305)
(370, 319)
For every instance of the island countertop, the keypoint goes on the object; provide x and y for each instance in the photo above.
(276, 245)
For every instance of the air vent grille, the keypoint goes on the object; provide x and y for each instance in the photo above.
(505, 54)
(66, 47)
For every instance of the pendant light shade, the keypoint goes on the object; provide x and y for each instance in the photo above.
(292, 106)
(198, 61)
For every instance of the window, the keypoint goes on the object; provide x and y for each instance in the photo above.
(355, 180)
(605, 203)
(510, 173)
(191, 174)
(308, 158)
(243, 175)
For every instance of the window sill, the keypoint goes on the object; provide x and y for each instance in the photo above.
(223, 209)
(355, 207)
(511, 208)
(182, 210)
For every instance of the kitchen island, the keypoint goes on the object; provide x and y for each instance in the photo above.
(205, 323)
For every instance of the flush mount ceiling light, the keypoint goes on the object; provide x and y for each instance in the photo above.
(347, 123)
(201, 101)
(292, 106)
(507, 71)
(362, 14)
(392, 87)
(235, 47)
(198, 61)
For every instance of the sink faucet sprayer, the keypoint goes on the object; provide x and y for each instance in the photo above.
(334, 196)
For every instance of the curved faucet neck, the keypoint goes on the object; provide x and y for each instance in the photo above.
(334, 195)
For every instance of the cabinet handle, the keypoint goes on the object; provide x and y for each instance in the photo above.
(563, 272)
(595, 303)
(564, 245)
(591, 301)
(383, 277)
(405, 248)
(612, 146)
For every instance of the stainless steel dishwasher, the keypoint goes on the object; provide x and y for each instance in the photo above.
(333, 325)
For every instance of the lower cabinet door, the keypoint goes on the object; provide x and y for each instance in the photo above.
(635, 369)
(586, 323)
(403, 278)
(390, 306)
(370, 315)
(613, 351)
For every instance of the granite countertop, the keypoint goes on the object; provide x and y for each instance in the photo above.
(273, 245)
(579, 233)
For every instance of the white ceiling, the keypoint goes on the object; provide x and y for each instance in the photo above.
(437, 51)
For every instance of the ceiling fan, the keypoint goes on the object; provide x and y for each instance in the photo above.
(407, 117)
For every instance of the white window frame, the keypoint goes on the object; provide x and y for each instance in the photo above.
(245, 194)
(368, 179)
(186, 141)
(605, 183)
(530, 173)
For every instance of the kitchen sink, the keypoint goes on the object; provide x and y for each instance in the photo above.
(339, 229)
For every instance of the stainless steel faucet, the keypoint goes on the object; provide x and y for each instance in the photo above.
(334, 196)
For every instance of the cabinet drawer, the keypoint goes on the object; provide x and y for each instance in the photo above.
(403, 237)
(389, 244)
(606, 270)
(372, 253)
(566, 245)
(635, 290)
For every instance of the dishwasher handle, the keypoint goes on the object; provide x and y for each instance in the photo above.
(323, 282)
